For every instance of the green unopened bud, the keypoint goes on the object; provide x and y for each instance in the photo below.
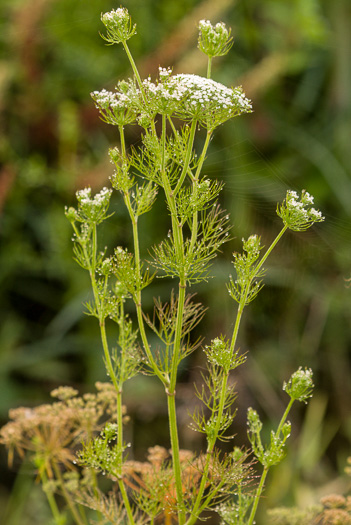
(144, 120)
(214, 41)
(106, 266)
(219, 353)
(253, 421)
(71, 214)
(115, 155)
(286, 430)
(110, 431)
(252, 246)
(300, 385)
(119, 26)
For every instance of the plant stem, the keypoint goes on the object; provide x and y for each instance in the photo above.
(124, 494)
(80, 520)
(194, 228)
(109, 366)
(258, 495)
(172, 416)
(134, 67)
(137, 298)
(209, 67)
(212, 442)
(187, 157)
(269, 250)
(108, 360)
(284, 417)
(170, 390)
(51, 500)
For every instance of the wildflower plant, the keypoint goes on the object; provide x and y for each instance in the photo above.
(176, 485)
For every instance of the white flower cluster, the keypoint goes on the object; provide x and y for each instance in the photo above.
(204, 91)
(293, 201)
(109, 99)
(297, 212)
(164, 72)
(164, 89)
(116, 16)
(116, 107)
(188, 96)
(208, 101)
(84, 197)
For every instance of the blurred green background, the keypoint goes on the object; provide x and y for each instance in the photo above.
(293, 58)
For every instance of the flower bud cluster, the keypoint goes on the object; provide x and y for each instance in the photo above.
(220, 354)
(214, 41)
(246, 286)
(300, 385)
(297, 212)
(119, 26)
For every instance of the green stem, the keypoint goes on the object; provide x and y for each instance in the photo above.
(118, 388)
(209, 67)
(211, 443)
(187, 157)
(170, 390)
(80, 520)
(284, 417)
(169, 194)
(91, 262)
(172, 416)
(51, 500)
(121, 484)
(266, 468)
(137, 298)
(125, 499)
(178, 333)
(109, 365)
(194, 228)
(269, 250)
(108, 360)
(134, 67)
(258, 495)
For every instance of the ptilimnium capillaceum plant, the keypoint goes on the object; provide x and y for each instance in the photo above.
(177, 486)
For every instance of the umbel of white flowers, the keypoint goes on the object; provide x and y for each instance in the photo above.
(187, 97)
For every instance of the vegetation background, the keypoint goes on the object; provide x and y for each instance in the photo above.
(293, 58)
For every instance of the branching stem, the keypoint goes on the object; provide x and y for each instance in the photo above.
(212, 441)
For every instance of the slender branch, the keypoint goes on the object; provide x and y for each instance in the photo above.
(209, 67)
(258, 496)
(211, 443)
(187, 157)
(51, 500)
(179, 248)
(284, 417)
(80, 520)
(137, 298)
(134, 67)
(266, 468)
(194, 228)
